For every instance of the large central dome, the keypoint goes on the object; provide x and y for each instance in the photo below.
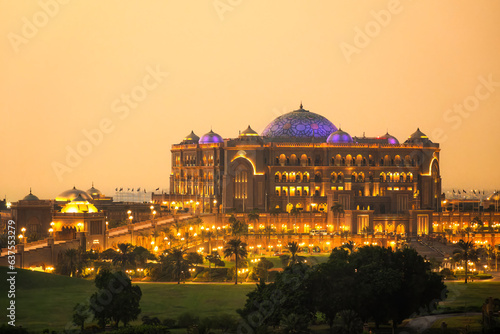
(299, 126)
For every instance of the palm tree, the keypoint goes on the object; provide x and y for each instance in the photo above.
(350, 246)
(154, 235)
(477, 223)
(176, 257)
(295, 212)
(465, 253)
(253, 216)
(337, 210)
(71, 261)
(166, 232)
(237, 248)
(238, 228)
(177, 225)
(294, 248)
(124, 257)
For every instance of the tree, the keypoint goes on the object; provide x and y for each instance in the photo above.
(141, 256)
(81, 315)
(253, 216)
(238, 228)
(237, 248)
(117, 299)
(124, 258)
(337, 210)
(465, 253)
(180, 264)
(390, 285)
(69, 262)
(194, 258)
(295, 212)
(262, 269)
(350, 246)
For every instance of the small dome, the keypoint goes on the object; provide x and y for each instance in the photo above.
(191, 138)
(390, 139)
(210, 138)
(30, 197)
(495, 196)
(71, 194)
(339, 137)
(249, 132)
(418, 137)
(94, 192)
(299, 126)
(79, 205)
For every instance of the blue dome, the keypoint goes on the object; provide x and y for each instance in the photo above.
(390, 139)
(210, 138)
(339, 137)
(299, 126)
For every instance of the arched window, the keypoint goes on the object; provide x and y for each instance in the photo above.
(317, 177)
(407, 161)
(282, 159)
(338, 160)
(298, 178)
(277, 177)
(293, 160)
(240, 183)
(382, 177)
(284, 177)
(353, 177)
(359, 160)
(291, 177)
(303, 160)
(333, 177)
(387, 160)
(371, 162)
(396, 177)
(348, 160)
(410, 177)
(340, 177)
(397, 160)
(389, 177)
(305, 177)
(402, 177)
(361, 177)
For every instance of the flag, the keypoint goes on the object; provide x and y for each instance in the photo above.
(138, 189)
(459, 192)
(464, 191)
(128, 189)
(116, 189)
(474, 192)
(144, 190)
(453, 190)
(157, 189)
(132, 189)
(121, 189)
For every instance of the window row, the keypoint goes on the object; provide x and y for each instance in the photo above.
(348, 160)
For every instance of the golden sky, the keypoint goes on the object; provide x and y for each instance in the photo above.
(137, 76)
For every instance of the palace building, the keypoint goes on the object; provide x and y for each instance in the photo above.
(302, 160)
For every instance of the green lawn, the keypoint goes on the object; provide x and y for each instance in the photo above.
(470, 296)
(47, 300)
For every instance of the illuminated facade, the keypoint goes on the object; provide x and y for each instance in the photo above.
(301, 160)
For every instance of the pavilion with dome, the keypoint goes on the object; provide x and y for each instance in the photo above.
(302, 161)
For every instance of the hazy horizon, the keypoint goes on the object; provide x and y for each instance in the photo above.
(120, 83)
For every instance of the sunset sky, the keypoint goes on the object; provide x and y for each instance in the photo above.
(138, 76)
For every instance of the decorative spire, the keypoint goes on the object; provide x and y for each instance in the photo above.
(30, 191)
(301, 107)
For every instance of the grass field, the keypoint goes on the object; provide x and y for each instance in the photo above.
(47, 300)
(470, 296)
